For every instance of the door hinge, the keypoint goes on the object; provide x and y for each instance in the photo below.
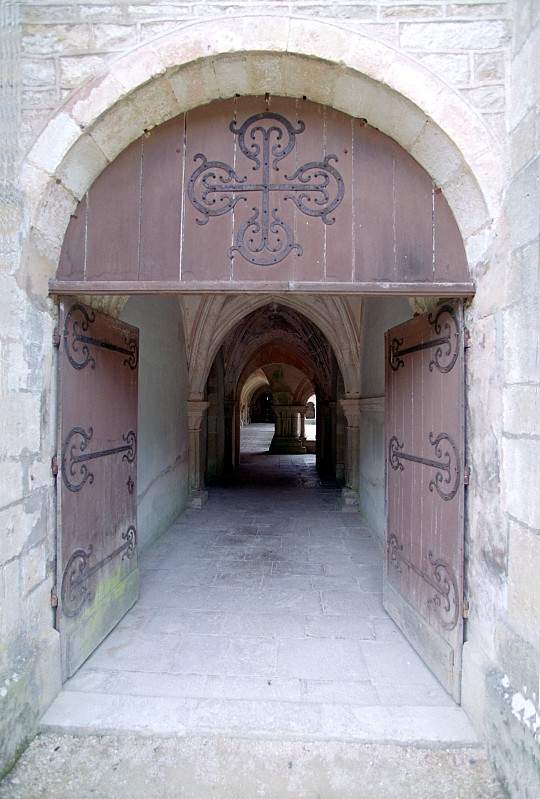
(54, 466)
(54, 598)
(466, 475)
(466, 608)
(56, 337)
(466, 338)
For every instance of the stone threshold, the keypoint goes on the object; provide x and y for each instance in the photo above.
(86, 713)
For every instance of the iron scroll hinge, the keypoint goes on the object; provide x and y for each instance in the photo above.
(466, 475)
(54, 465)
(56, 338)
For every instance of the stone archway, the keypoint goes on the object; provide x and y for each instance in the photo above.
(220, 58)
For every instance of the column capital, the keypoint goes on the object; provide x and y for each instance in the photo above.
(352, 408)
(196, 410)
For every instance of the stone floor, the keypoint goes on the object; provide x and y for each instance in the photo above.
(261, 616)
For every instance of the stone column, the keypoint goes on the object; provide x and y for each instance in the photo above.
(197, 493)
(350, 493)
(326, 428)
(286, 440)
(303, 423)
(229, 448)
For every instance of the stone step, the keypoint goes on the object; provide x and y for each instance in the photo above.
(87, 713)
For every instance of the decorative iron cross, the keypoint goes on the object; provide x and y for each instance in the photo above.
(316, 188)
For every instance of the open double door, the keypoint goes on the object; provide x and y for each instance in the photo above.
(97, 569)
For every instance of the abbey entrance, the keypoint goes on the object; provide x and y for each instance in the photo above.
(261, 441)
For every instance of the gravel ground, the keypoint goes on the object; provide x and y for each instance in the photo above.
(125, 767)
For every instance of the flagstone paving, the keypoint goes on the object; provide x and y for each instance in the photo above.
(261, 615)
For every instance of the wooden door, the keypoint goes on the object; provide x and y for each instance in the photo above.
(98, 577)
(424, 433)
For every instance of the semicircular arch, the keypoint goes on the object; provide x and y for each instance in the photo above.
(288, 56)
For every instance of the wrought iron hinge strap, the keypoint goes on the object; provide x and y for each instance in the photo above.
(75, 580)
(75, 472)
(448, 331)
(77, 322)
(449, 468)
(445, 601)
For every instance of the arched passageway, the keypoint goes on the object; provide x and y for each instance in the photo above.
(277, 573)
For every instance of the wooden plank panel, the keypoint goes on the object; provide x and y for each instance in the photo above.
(425, 496)
(205, 248)
(161, 201)
(373, 225)
(73, 254)
(113, 219)
(390, 228)
(450, 257)
(309, 231)
(413, 197)
(339, 245)
(97, 555)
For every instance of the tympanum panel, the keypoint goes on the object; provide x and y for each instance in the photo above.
(262, 192)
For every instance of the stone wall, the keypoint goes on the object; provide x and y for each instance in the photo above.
(380, 314)
(65, 43)
(504, 519)
(162, 457)
(29, 650)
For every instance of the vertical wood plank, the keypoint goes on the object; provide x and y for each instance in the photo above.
(338, 236)
(413, 210)
(373, 176)
(73, 253)
(113, 219)
(161, 201)
(309, 230)
(205, 248)
(450, 257)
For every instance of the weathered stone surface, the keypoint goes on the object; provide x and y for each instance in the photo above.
(455, 35)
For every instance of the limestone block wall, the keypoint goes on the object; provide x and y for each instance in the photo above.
(162, 455)
(504, 540)
(65, 43)
(29, 651)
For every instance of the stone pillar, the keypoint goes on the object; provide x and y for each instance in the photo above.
(326, 439)
(350, 493)
(196, 412)
(286, 440)
(303, 423)
(229, 446)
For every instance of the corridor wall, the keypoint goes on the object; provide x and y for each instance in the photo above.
(162, 465)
